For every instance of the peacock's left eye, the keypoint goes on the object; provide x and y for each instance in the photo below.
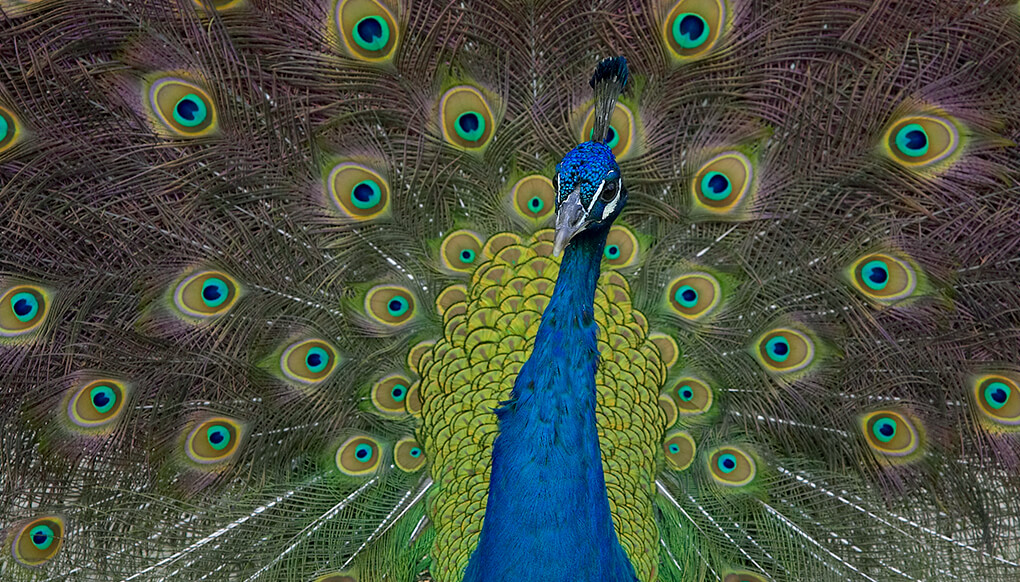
(610, 190)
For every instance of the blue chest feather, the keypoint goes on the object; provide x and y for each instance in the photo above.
(547, 517)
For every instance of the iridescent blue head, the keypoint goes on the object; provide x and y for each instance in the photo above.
(589, 188)
(589, 191)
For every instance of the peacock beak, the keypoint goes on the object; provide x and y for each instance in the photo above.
(570, 220)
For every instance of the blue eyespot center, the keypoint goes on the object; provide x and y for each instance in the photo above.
(716, 186)
(372, 33)
(727, 463)
(467, 256)
(218, 437)
(366, 194)
(397, 306)
(103, 398)
(997, 394)
(42, 536)
(778, 349)
(912, 140)
(25, 306)
(415, 452)
(470, 126)
(399, 392)
(612, 252)
(687, 296)
(686, 393)
(674, 448)
(536, 204)
(876, 275)
(884, 429)
(690, 30)
(363, 452)
(190, 111)
(214, 292)
(316, 360)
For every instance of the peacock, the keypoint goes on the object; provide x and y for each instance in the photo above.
(530, 290)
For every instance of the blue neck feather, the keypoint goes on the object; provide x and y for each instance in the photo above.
(547, 517)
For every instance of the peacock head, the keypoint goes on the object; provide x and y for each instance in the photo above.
(589, 188)
(589, 192)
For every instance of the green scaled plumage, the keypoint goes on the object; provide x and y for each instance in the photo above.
(266, 266)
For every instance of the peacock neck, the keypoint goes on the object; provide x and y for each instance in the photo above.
(547, 516)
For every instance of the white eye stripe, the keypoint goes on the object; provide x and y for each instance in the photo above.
(596, 196)
(611, 207)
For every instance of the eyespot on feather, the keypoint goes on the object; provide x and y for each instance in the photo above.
(998, 398)
(310, 361)
(466, 118)
(883, 277)
(461, 251)
(97, 404)
(693, 27)
(408, 455)
(38, 541)
(368, 29)
(620, 138)
(721, 185)
(784, 350)
(337, 578)
(621, 250)
(679, 449)
(23, 308)
(389, 395)
(920, 141)
(731, 466)
(182, 108)
(359, 456)
(534, 198)
(668, 349)
(214, 440)
(694, 295)
(890, 433)
(359, 192)
(691, 396)
(206, 294)
(390, 305)
(11, 130)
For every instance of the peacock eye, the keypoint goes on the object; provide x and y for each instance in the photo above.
(610, 190)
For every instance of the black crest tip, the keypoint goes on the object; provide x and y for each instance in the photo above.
(610, 70)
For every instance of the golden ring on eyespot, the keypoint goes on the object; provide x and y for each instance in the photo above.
(998, 398)
(466, 118)
(38, 540)
(359, 455)
(722, 183)
(890, 433)
(461, 251)
(23, 308)
(691, 396)
(694, 295)
(309, 361)
(182, 107)
(359, 192)
(206, 294)
(921, 140)
(679, 450)
(389, 394)
(390, 305)
(368, 29)
(214, 440)
(693, 27)
(408, 455)
(534, 198)
(731, 466)
(785, 350)
(883, 277)
(97, 403)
